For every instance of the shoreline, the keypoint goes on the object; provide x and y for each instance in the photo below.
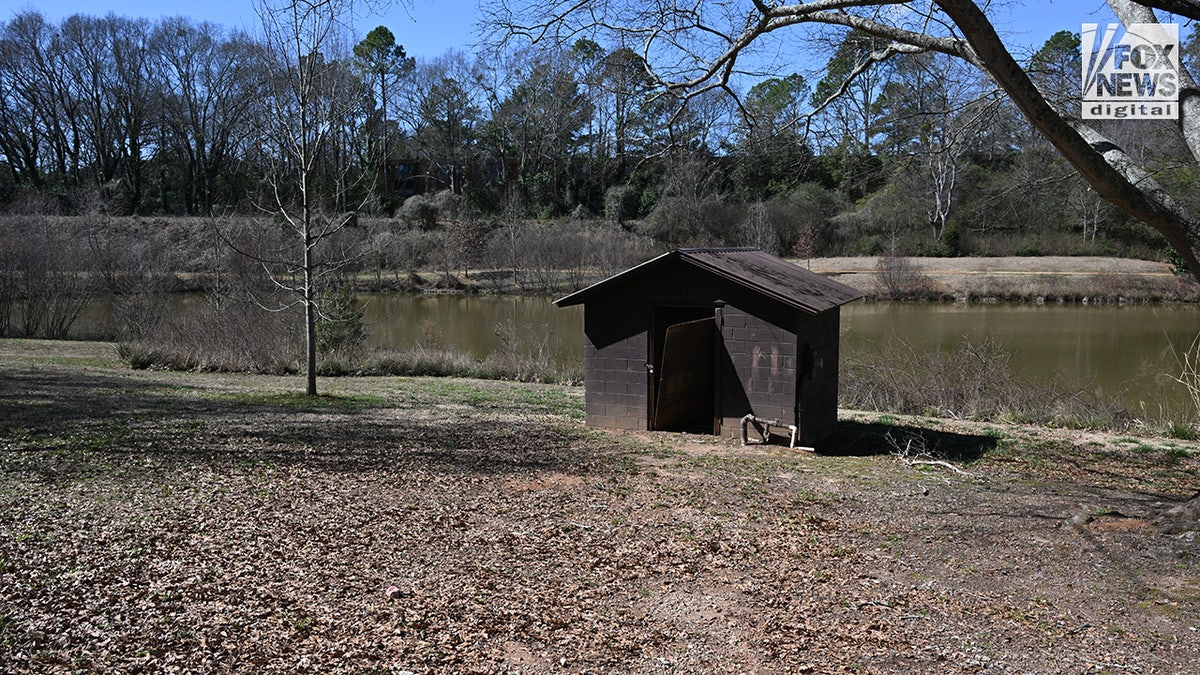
(1036, 280)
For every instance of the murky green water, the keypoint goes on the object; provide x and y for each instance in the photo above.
(1122, 352)
(1119, 352)
(475, 324)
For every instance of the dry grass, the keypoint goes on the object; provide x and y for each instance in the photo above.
(1044, 279)
(972, 381)
(238, 338)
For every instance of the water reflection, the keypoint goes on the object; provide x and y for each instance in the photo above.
(475, 324)
(1123, 352)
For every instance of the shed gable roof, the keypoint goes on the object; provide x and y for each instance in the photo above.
(752, 268)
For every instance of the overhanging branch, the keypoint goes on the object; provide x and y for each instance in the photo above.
(1100, 162)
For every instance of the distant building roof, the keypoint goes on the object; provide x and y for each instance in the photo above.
(752, 268)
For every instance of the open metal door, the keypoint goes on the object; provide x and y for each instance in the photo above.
(686, 378)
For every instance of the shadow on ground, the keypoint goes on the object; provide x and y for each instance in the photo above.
(108, 416)
(868, 439)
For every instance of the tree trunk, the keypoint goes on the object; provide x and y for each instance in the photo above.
(1103, 164)
(310, 330)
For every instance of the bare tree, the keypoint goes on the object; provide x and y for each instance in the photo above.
(42, 118)
(1088, 207)
(935, 110)
(210, 81)
(699, 47)
(307, 97)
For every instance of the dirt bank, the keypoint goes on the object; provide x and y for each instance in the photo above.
(1044, 279)
(158, 522)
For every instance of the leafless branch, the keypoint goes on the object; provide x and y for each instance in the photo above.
(915, 453)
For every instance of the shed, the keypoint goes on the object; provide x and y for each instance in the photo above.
(699, 338)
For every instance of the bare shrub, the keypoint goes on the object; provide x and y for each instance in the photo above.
(759, 231)
(611, 252)
(901, 277)
(34, 202)
(224, 337)
(534, 253)
(556, 257)
(688, 221)
(450, 206)
(419, 211)
(520, 359)
(972, 381)
(798, 223)
(10, 284)
(47, 278)
(137, 275)
(466, 240)
(417, 250)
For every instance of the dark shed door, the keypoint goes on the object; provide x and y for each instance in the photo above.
(686, 381)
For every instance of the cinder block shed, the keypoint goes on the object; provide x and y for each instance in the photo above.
(697, 339)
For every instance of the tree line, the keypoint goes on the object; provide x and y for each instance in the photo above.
(918, 154)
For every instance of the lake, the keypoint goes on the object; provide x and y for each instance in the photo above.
(1120, 351)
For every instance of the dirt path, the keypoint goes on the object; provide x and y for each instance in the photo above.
(1048, 277)
(152, 522)
(1020, 266)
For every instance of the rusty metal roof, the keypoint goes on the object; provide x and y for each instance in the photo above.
(753, 268)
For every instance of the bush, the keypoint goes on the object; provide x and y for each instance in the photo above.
(684, 221)
(544, 257)
(804, 220)
(951, 240)
(449, 206)
(973, 381)
(758, 230)
(340, 324)
(420, 211)
(228, 337)
(621, 204)
(47, 277)
(901, 278)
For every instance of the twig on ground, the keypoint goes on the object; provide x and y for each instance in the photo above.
(939, 462)
(914, 453)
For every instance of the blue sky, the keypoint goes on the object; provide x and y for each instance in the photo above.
(426, 29)
(430, 27)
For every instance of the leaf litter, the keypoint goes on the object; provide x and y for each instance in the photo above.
(155, 522)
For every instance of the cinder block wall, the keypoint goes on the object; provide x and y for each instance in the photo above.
(761, 363)
(763, 355)
(818, 391)
(615, 365)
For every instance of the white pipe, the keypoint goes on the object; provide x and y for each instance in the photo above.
(765, 431)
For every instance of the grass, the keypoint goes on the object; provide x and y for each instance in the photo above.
(970, 381)
(1182, 431)
(105, 436)
(301, 401)
(415, 362)
(46, 352)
